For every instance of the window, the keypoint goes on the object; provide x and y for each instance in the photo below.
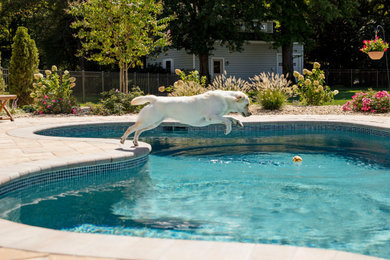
(217, 64)
(168, 65)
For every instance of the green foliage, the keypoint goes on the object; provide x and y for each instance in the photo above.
(53, 93)
(2, 82)
(271, 99)
(200, 25)
(120, 32)
(24, 62)
(311, 87)
(114, 102)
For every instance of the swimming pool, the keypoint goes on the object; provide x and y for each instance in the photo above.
(245, 188)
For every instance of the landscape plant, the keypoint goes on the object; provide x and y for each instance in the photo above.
(115, 102)
(376, 44)
(23, 65)
(311, 87)
(371, 101)
(272, 90)
(189, 84)
(53, 93)
(229, 83)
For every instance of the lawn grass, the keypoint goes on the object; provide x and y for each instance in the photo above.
(92, 98)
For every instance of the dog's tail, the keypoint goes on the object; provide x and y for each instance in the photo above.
(143, 99)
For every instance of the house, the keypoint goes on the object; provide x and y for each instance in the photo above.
(255, 58)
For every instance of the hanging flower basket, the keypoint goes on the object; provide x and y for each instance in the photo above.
(375, 48)
(375, 55)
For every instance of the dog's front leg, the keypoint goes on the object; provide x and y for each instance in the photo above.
(216, 119)
(235, 122)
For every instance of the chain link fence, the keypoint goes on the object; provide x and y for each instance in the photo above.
(357, 78)
(89, 84)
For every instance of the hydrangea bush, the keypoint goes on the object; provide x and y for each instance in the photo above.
(311, 87)
(373, 102)
(189, 84)
(53, 93)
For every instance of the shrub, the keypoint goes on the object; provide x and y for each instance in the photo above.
(229, 83)
(189, 84)
(2, 82)
(374, 102)
(311, 87)
(114, 102)
(23, 65)
(272, 90)
(271, 99)
(53, 94)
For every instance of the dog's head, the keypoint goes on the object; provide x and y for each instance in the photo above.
(242, 104)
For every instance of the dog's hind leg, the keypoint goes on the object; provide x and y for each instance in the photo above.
(140, 131)
(129, 131)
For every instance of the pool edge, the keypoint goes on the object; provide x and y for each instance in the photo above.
(20, 236)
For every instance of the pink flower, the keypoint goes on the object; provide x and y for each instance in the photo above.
(45, 96)
(48, 106)
(54, 100)
(40, 112)
(44, 102)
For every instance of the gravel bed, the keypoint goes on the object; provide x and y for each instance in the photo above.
(309, 110)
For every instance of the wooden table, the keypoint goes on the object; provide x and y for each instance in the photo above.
(4, 99)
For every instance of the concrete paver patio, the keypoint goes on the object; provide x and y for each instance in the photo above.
(22, 152)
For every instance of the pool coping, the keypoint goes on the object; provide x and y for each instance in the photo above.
(20, 236)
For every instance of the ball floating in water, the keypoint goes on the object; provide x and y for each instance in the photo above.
(297, 159)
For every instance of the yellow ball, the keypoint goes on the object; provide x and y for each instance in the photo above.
(297, 159)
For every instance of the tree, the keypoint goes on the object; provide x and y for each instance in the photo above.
(24, 62)
(200, 25)
(119, 32)
(337, 44)
(297, 20)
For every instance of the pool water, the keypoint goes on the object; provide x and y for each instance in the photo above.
(232, 189)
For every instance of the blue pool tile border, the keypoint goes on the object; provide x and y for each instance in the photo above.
(45, 177)
(110, 129)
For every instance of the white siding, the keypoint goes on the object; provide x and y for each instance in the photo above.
(181, 60)
(256, 57)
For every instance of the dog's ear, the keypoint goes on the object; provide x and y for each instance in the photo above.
(240, 98)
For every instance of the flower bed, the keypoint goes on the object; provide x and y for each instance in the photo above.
(374, 102)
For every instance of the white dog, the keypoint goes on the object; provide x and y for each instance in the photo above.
(200, 110)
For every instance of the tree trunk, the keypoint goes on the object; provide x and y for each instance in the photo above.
(287, 60)
(127, 79)
(204, 66)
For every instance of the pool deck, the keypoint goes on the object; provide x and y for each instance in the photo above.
(22, 152)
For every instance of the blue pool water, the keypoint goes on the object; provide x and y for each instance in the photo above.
(244, 189)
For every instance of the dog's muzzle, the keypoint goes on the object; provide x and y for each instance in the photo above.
(246, 114)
